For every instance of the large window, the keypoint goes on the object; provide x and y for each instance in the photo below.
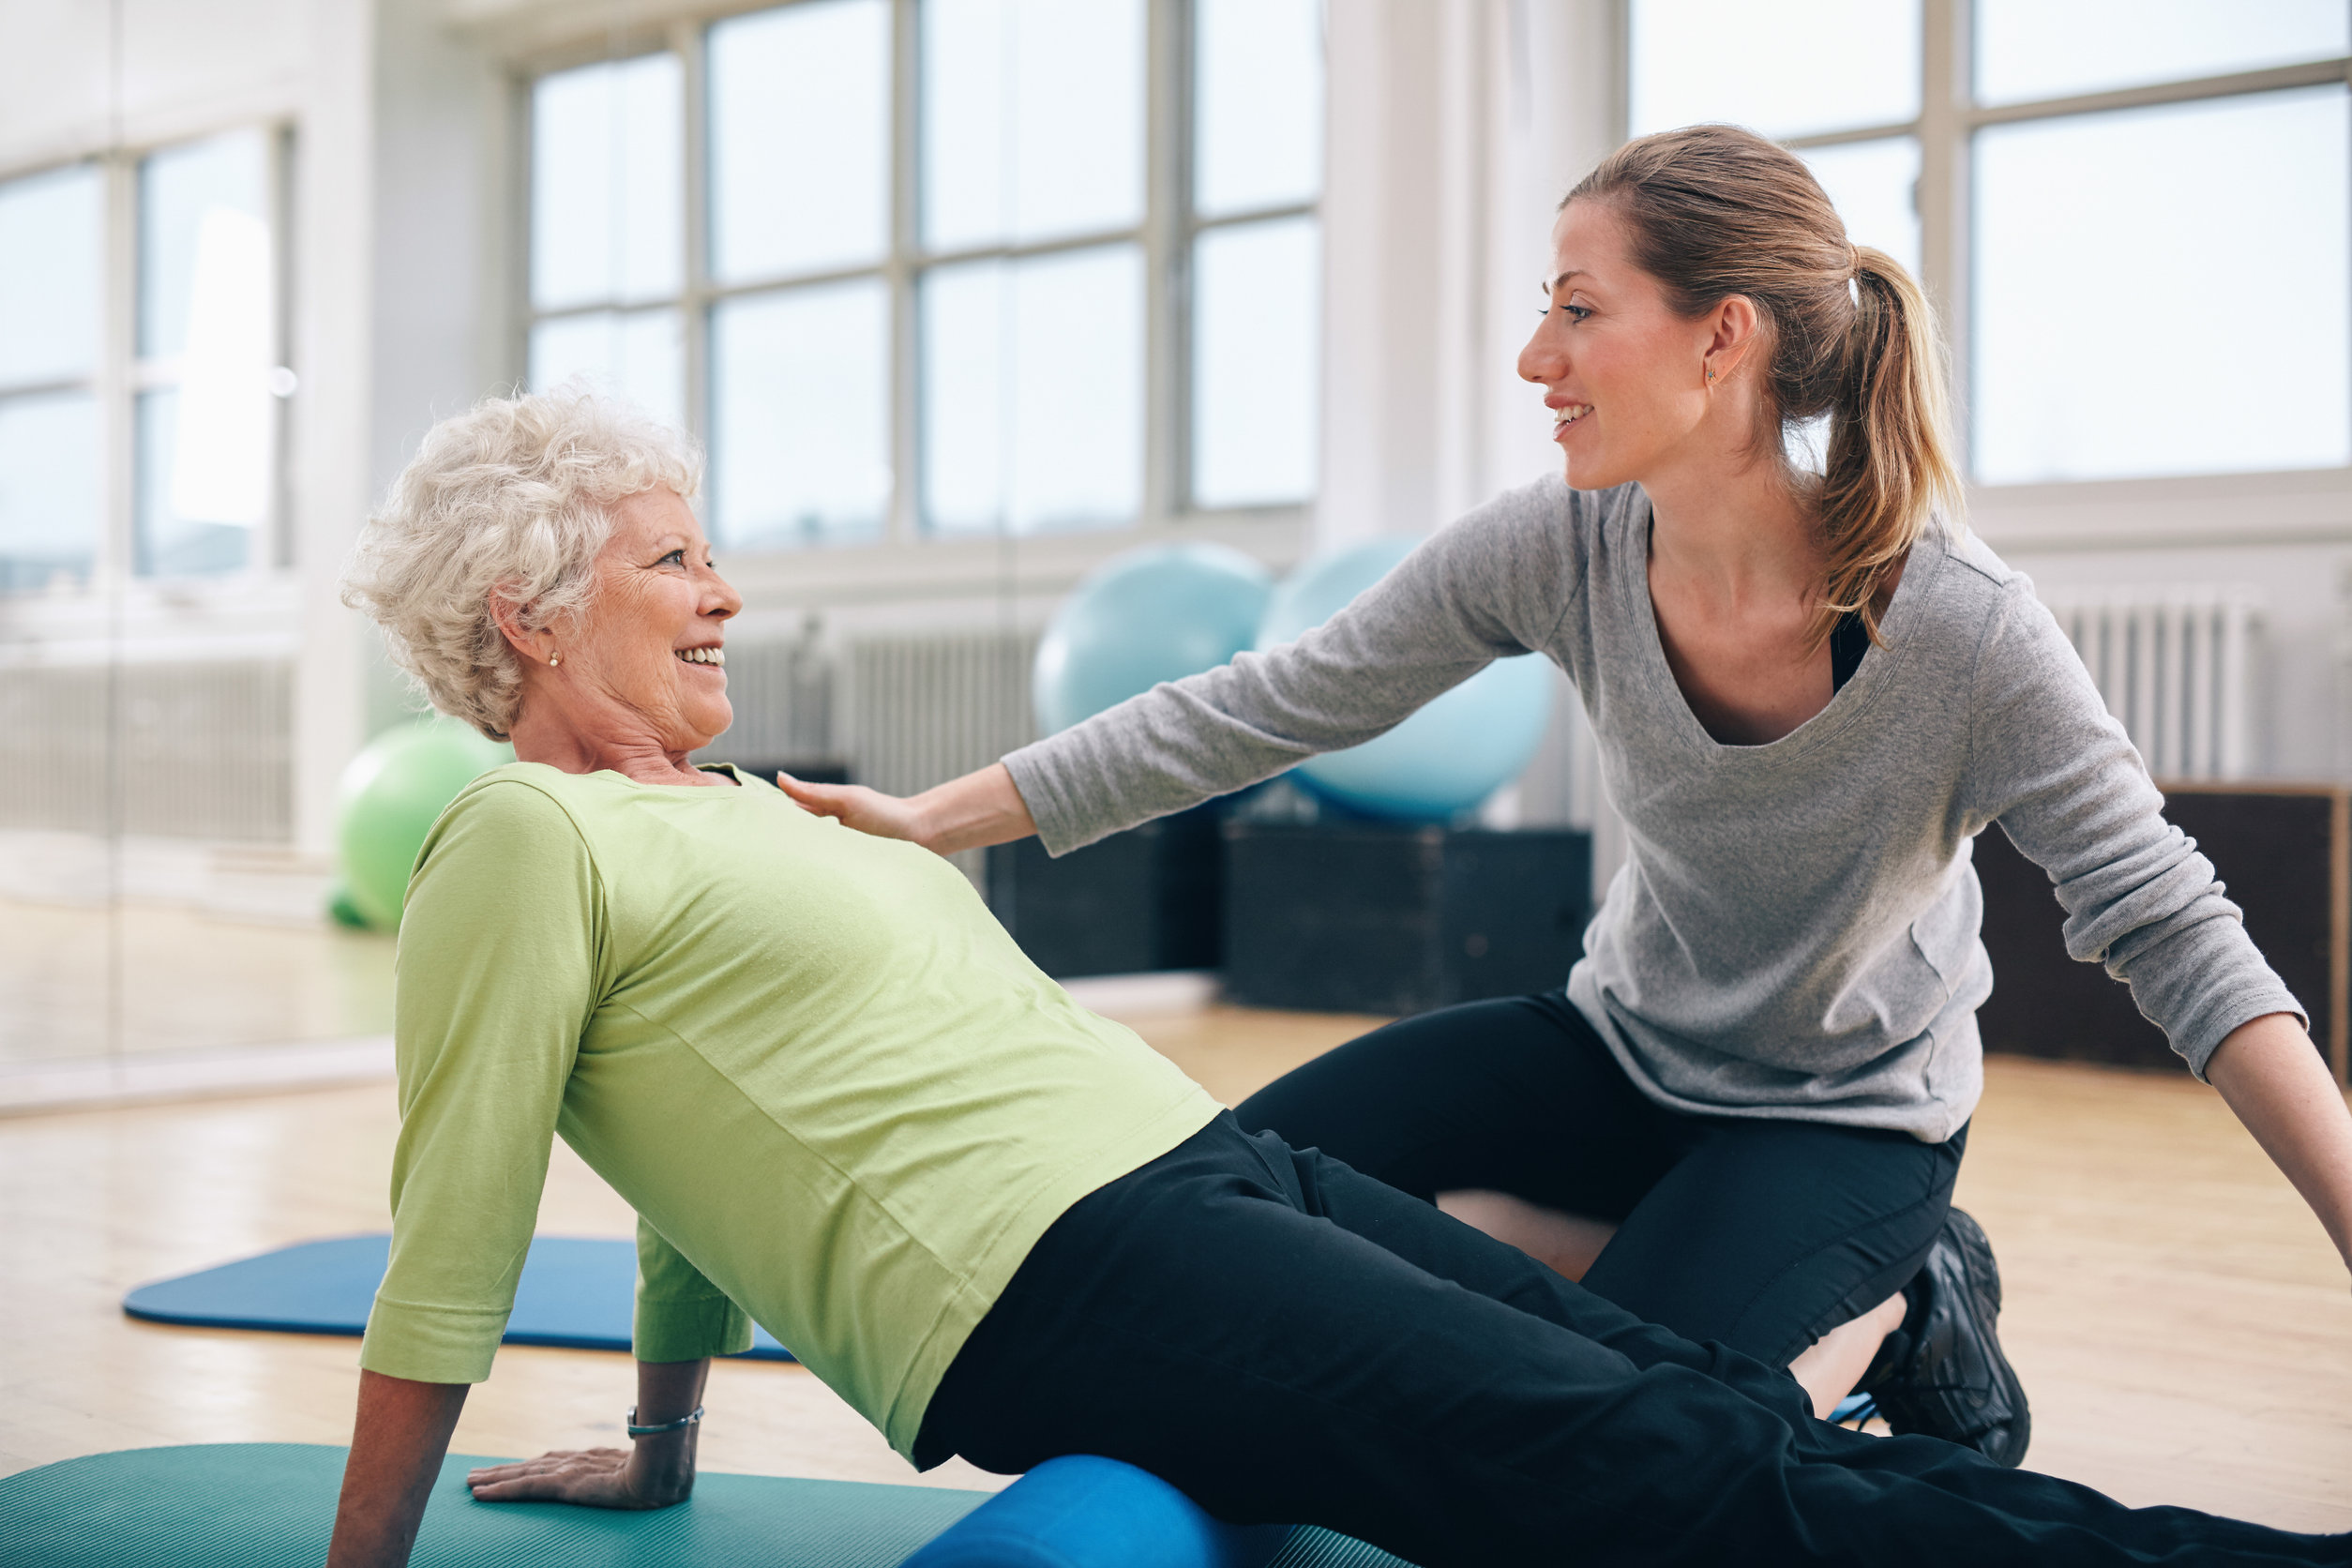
(940, 268)
(188, 367)
(2137, 214)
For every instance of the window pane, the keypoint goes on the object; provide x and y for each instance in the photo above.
(49, 487)
(1257, 104)
(203, 208)
(1874, 186)
(608, 176)
(1788, 69)
(2163, 291)
(2033, 48)
(800, 139)
(181, 490)
(1032, 392)
(640, 355)
(1255, 341)
(1033, 119)
(800, 415)
(207, 309)
(51, 229)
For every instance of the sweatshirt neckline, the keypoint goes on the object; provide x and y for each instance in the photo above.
(1845, 704)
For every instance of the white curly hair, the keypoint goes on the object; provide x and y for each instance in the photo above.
(514, 495)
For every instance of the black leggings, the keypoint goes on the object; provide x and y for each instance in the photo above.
(1764, 1234)
(1289, 1341)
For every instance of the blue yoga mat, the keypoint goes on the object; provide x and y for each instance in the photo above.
(272, 1505)
(576, 1293)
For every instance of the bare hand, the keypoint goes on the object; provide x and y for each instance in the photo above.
(856, 806)
(591, 1477)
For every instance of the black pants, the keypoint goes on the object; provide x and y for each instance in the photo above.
(1761, 1235)
(1289, 1341)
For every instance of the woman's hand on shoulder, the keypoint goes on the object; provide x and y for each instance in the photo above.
(856, 806)
(980, 808)
(590, 1477)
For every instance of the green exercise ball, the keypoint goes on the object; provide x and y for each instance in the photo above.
(391, 794)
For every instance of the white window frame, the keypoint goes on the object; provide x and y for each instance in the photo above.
(906, 560)
(2255, 506)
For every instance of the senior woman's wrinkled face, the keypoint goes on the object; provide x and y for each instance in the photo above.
(644, 655)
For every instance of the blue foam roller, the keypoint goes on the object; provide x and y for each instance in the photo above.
(1083, 1512)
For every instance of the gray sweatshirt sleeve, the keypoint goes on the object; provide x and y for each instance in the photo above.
(1491, 585)
(2055, 768)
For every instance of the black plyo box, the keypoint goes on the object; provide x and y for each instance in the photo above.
(1365, 918)
(2282, 854)
(1140, 900)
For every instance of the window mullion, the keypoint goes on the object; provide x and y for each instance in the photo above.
(1168, 260)
(686, 40)
(904, 522)
(523, 310)
(118, 351)
(1946, 90)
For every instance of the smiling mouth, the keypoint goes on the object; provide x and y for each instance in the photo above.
(714, 656)
(1565, 416)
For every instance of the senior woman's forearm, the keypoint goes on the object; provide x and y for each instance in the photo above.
(2280, 1089)
(398, 1441)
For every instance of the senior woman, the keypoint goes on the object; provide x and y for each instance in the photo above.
(845, 1105)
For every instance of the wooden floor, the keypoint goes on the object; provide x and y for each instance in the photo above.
(2182, 1322)
(183, 980)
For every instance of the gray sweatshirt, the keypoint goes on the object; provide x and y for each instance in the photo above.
(1795, 930)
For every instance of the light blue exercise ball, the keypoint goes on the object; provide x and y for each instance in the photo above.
(1447, 758)
(1153, 615)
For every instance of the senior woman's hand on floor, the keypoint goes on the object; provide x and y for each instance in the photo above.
(592, 1477)
(654, 1471)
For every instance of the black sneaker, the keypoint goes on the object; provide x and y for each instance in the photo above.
(1942, 1373)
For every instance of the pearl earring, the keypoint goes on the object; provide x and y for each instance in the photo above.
(554, 659)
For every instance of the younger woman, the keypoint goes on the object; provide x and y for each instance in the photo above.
(1810, 695)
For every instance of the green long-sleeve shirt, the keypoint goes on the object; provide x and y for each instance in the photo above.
(839, 1096)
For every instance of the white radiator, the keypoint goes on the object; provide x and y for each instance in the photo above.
(197, 750)
(920, 709)
(2176, 665)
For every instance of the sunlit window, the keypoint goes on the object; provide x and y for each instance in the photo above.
(1258, 160)
(946, 293)
(205, 422)
(173, 428)
(608, 231)
(2044, 49)
(2136, 215)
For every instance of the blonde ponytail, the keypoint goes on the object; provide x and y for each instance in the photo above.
(1888, 467)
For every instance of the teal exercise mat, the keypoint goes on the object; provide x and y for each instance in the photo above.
(272, 1505)
(576, 1293)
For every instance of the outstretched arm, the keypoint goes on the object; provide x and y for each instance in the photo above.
(654, 1471)
(2280, 1089)
(397, 1442)
(967, 813)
